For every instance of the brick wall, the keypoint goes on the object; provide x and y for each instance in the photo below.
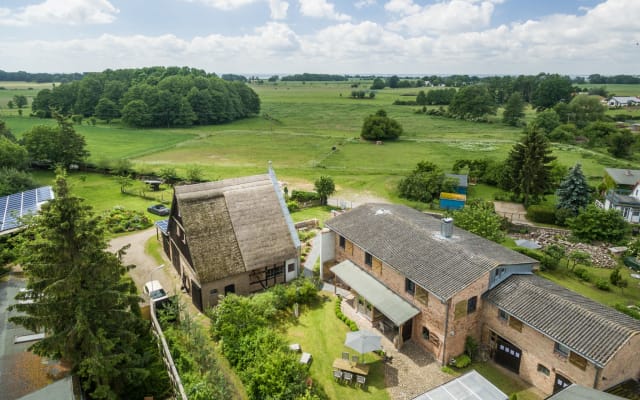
(624, 365)
(536, 349)
(433, 312)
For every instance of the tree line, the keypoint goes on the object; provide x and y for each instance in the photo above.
(40, 77)
(151, 97)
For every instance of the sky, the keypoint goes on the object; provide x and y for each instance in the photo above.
(265, 37)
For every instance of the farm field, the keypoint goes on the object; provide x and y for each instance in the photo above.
(312, 129)
(10, 89)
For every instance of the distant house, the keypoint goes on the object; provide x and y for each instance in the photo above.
(623, 101)
(231, 236)
(19, 205)
(624, 196)
(418, 278)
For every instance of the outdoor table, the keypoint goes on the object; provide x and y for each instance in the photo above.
(354, 368)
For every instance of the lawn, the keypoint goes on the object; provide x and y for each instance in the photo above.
(322, 334)
(505, 381)
(321, 213)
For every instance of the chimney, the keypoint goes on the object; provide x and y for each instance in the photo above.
(446, 227)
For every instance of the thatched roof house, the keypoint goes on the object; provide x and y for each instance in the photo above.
(233, 235)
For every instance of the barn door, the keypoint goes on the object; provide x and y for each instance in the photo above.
(508, 355)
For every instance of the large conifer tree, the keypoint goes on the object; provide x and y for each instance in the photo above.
(81, 301)
(529, 172)
(573, 193)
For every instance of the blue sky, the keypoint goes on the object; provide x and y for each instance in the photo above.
(323, 36)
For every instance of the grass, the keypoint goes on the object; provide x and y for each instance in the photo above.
(153, 247)
(506, 382)
(321, 333)
(321, 213)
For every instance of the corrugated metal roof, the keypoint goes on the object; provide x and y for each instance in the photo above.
(577, 392)
(588, 328)
(410, 241)
(470, 386)
(382, 298)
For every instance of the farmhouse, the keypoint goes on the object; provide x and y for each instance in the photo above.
(419, 278)
(623, 101)
(624, 195)
(231, 236)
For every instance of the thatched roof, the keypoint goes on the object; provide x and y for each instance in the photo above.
(234, 225)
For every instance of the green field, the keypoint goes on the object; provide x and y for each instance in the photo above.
(10, 89)
(312, 129)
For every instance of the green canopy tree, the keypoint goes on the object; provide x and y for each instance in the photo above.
(529, 169)
(324, 187)
(107, 109)
(81, 299)
(12, 154)
(550, 90)
(471, 102)
(547, 120)
(425, 183)
(379, 126)
(620, 144)
(513, 110)
(59, 145)
(480, 217)
(598, 224)
(573, 192)
(20, 100)
(585, 109)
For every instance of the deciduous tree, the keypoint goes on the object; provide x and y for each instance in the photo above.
(425, 183)
(472, 102)
(380, 127)
(324, 187)
(480, 218)
(59, 145)
(598, 224)
(513, 110)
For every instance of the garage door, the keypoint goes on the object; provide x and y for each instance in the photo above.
(508, 355)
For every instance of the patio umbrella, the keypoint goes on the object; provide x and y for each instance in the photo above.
(363, 341)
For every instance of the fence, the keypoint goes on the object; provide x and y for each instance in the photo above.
(166, 355)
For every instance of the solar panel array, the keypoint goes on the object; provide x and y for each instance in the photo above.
(17, 205)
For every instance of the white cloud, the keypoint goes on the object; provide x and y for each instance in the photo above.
(445, 17)
(364, 3)
(321, 9)
(64, 12)
(278, 9)
(403, 7)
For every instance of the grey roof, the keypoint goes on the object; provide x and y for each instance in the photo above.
(463, 180)
(588, 328)
(470, 386)
(61, 389)
(17, 205)
(578, 392)
(163, 225)
(410, 241)
(618, 198)
(384, 299)
(234, 225)
(628, 177)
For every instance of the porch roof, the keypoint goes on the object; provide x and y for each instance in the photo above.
(386, 301)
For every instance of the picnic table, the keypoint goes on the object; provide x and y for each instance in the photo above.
(348, 366)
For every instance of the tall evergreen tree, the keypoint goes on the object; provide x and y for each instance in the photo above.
(529, 173)
(573, 193)
(88, 311)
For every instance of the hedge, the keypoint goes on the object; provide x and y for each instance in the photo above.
(541, 214)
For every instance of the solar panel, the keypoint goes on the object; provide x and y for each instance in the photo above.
(17, 205)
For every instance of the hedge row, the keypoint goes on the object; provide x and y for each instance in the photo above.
(351, 324)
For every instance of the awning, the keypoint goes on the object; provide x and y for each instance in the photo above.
(387, 302)
(163, 225)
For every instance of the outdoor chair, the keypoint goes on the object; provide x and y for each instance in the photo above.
(361, 380)
(345, 355)
(347, 377)
(355, 359)
(337, 374)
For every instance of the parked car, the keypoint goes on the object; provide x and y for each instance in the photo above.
(155, 291)
(159, 209)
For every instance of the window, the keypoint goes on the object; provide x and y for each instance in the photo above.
(291, 267)
(472, 303)
(561, 349)
(368, 259)
(342, 242)
(515, 323)
(272, 273)
(502, 314)
(543, 370)
(409, 286)
(578, 361)
(425, 333)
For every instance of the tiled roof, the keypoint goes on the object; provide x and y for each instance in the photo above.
(410, 241)
(588, 328)
(628, 177)
(234, 225)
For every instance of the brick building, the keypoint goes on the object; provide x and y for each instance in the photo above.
(231, 236)
(423, 280)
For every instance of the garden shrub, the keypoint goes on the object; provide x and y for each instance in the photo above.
(119, 219)
(462, 361)
(529, 253)
(470, 346)
(293, 206)
(582, 274)
(541, 214)
(448, 370)
(632, 311)
(303, 197)
(351, 324)
(603, 284)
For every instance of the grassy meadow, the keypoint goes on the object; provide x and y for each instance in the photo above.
(312, 129)
(10, 89)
